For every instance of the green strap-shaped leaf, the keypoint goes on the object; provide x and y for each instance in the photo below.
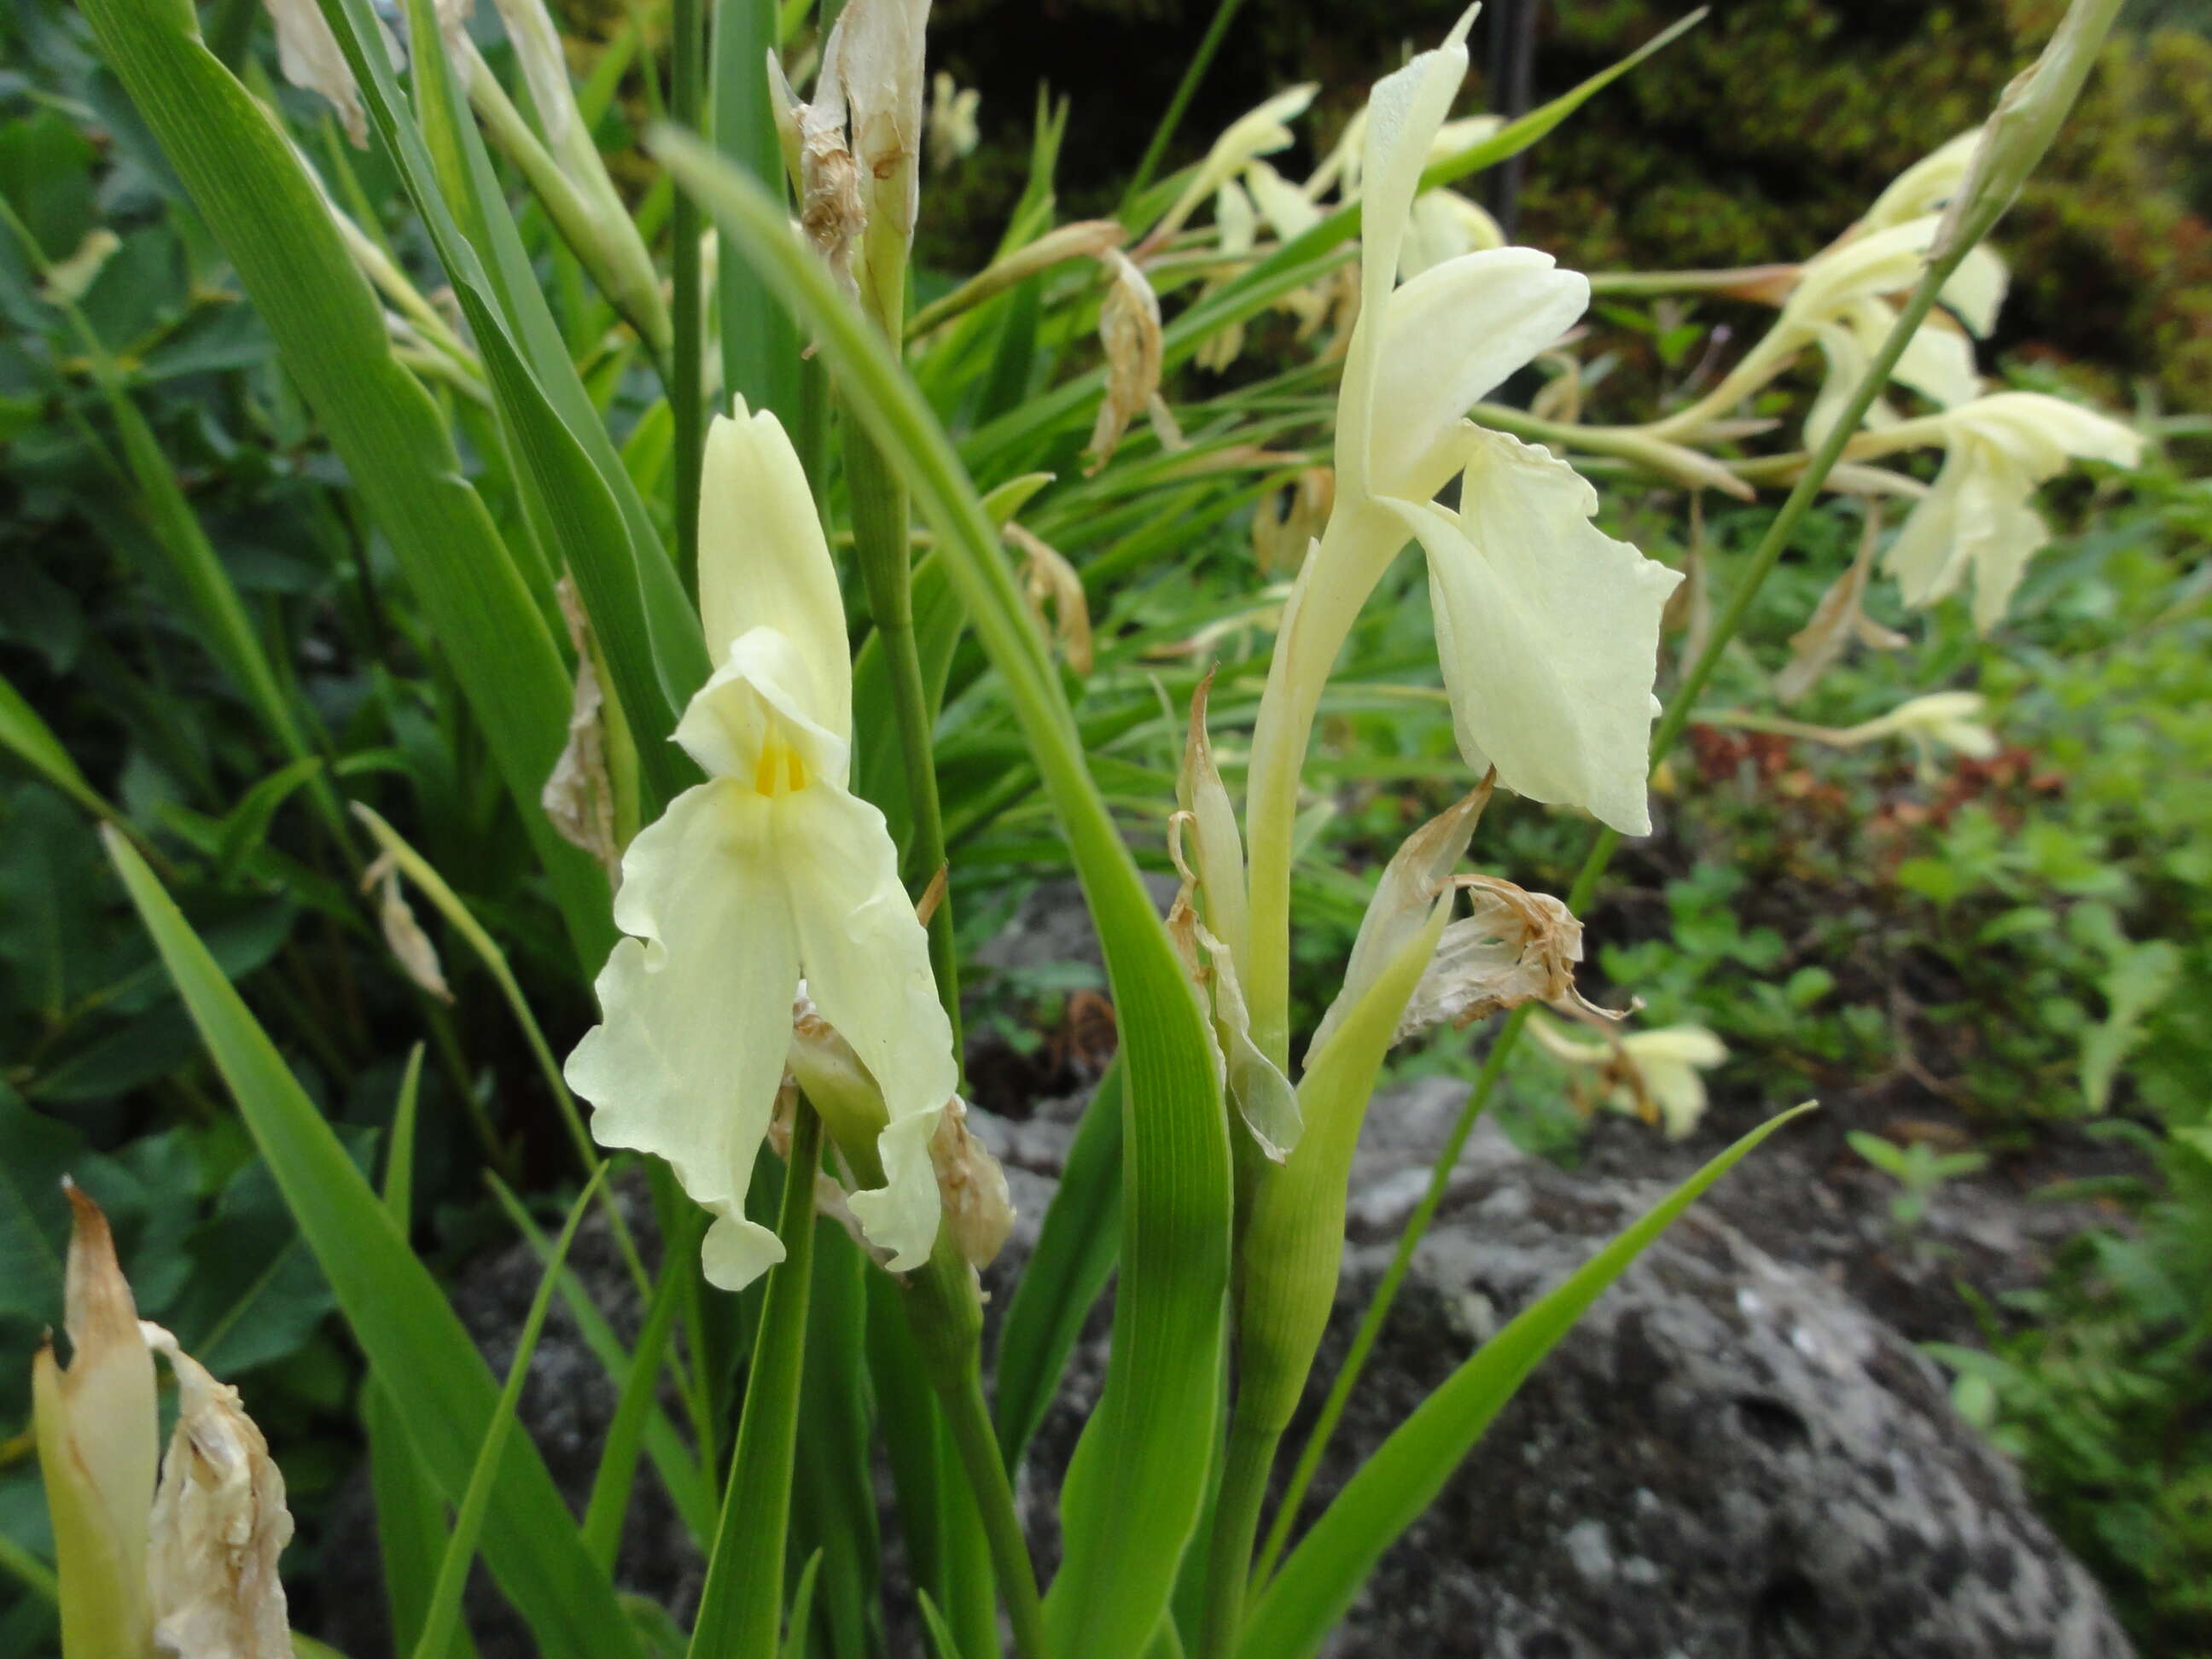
(1323, 1575)
(439, 1386)
(443, 1620)
(574, 500)
(247, 182)
(1076, 1249)
(1133, 1491)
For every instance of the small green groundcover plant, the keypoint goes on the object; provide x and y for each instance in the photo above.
(649, 604)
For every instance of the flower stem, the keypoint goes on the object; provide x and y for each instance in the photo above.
(687, 396)
(946, 1317)
(1251, 1455)
(742, 1601)
(881, 544)
(2079, 36)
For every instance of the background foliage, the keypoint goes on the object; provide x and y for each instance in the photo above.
(2018, 946)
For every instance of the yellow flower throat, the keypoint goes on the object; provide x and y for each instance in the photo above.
(780, 770)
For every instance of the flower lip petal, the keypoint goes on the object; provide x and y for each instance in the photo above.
(696, 1010)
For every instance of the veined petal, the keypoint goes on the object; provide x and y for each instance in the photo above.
(1549, 633)
(2042, 433)
(696, 1010)
(763, 563)
(1405, 112)
(866, 962)
(1886, 261)
(746, 723)
(1447, 337)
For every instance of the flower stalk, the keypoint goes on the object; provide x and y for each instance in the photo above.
(2062, 68)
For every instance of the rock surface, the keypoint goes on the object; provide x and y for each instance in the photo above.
(1729, 1458)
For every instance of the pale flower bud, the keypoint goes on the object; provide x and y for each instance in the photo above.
(219, 1524)
(96, 1428)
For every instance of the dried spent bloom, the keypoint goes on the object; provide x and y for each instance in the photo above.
(971, 1188)
(219, 1524)
(979, 1210)
(1047, 578)
(1282, 533)
(771, 870)
(1838, 620)
(1977, 517)
(403, 935)
(1515, 947)
(1129, 329)
(578, 794)
(96, 1425)
(952, 133)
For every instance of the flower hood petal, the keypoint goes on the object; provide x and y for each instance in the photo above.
(763, 562)
(753, 701)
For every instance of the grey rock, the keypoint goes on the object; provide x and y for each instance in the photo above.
(1729, 1458)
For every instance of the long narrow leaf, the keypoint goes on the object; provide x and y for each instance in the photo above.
(1132, 1493)
(249, 185)
(1323, 1575)
(652, 677)
(743, 1600)
(441, 1390)
(443, 1616)
(1064, 1277)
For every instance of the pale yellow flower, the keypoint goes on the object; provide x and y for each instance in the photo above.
(1549, 628)
(1979, 517)
(771, 869)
